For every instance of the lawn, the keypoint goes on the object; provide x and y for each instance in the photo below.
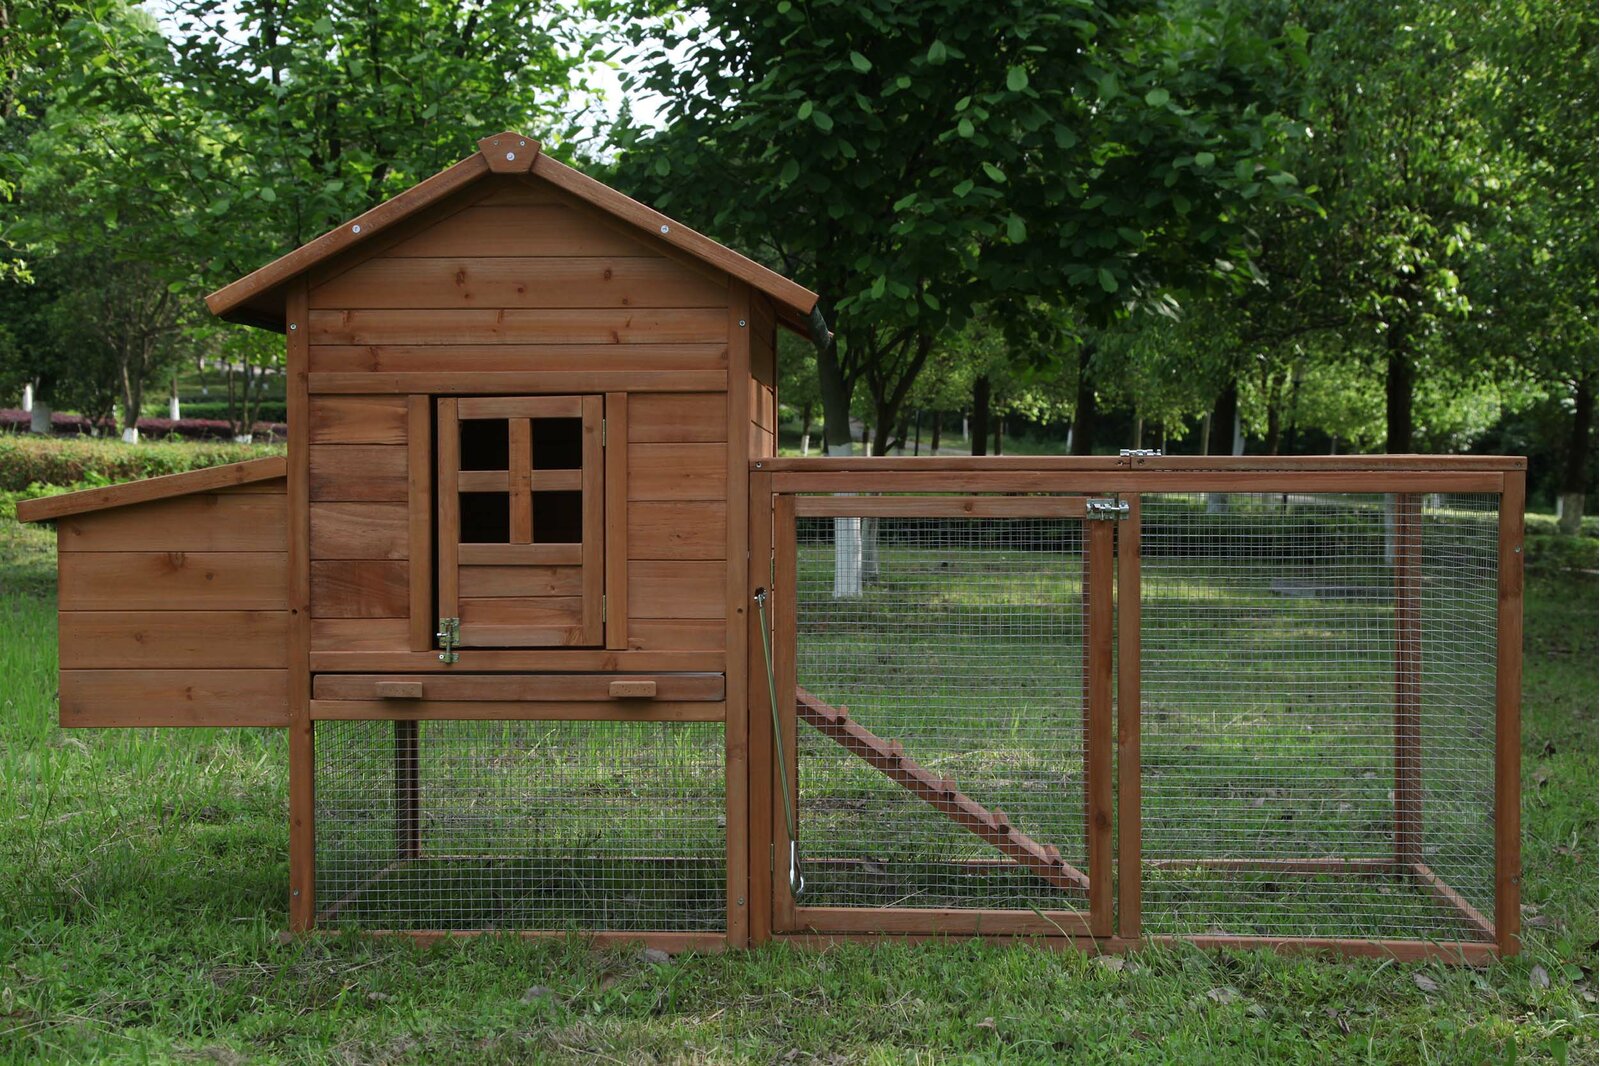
(142, 892)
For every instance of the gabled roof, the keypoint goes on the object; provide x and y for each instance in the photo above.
(257, 299)
(267, 468)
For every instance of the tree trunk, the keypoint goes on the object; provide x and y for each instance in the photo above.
(933, 433)
(916, 440)
(836, 438)
(1000, 435)
(805, 430)
(1223, 418)
(1274, 428)
(1399, 392)
(1084, 413)
(39, 417)
(1570, 501)
(980, 415)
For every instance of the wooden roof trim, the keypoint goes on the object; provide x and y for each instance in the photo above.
(796, 298)
(156, 488)
(229, 301)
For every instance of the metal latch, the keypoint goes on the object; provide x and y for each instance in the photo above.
(1105, 510)
(449, 639)
(1141, 453)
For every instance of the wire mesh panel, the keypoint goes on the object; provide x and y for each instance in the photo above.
(1318, 711)
(519, 825)
(941, 747)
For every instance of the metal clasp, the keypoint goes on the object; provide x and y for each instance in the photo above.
(1105, 510)
(449, 639)
(1141, 453)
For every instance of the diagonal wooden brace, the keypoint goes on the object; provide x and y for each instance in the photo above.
(940, 793)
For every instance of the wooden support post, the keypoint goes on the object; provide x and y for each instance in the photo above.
(1130, 869)
(1407, 679)
(739, 587)
(302, 753)
(1098, 640)
(758, 732)
(407, 792)
(783, 608)
(1508, 720)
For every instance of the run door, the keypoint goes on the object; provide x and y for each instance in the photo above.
(943, 673)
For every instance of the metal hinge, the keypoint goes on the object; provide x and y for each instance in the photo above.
(602, 608)
(1141, 453)
(449, 639)
(1105, 510)
(602, 433)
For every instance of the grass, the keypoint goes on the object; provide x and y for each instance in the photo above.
(142, 880)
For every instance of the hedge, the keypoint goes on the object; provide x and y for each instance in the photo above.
(26, 460)
(66, 425)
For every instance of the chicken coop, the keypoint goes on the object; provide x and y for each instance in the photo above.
(562, 647)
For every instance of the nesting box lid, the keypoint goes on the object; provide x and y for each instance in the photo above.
(257, 299)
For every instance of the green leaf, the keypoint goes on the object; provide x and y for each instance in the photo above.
(964, 187)
(1157, 97)
(822, 121)
(860, 62)
(1244, 170)
(1065, 137)
(931, 300)
(663, 166)
(878, 286)
(995, 173)
(1204, 159)
(964, 127)
(267, 194)
(1016, 229)
(805, 110)
(963, 103)
(1016, 79)
(1108, 280)
(790, 171)
(937, 53)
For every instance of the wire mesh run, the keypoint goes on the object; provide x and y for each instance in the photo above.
(1318, 715)
(512, 825)
(964, 646)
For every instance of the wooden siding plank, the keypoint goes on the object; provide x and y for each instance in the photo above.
(521, 581)
(491, 358)
(520, 407)
(114, 698)
(677, 589)
(475, 710)
(517, 659)
(204, 522)
(516, 612)
(110, 640)
(359, 530)
(677, 634)
(678, 472)
(363, 635)
(521, 230)
(302, 739)
(521, 326)
(520, 281)
(358, 420)
(157, 581)
(359, 588)
(678, 529)
(481, 383)
(547, 688)
(519, 555)
(594, 521)
(680, 418)
(358, 472)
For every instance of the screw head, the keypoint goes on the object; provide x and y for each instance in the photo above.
(355, 229)
(511, 156)
(741, 323)
(294, 325)
(665, 228)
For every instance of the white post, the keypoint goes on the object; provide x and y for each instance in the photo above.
(27, 396)
(40, 422)
(1238, 433)
(172, 401)
(130, 435)
(846, 546)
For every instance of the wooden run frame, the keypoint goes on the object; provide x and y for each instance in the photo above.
(782, 489)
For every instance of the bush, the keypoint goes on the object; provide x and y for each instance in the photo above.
(46, 461)
(269, 411)
(67, 425)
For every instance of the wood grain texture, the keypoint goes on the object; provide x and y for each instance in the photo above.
(1099, 640)
(1130, 869)
(419, 521)
(155, 488)
(497, 358)
(736, 595)
(521, 281)
(112, 640)
(185, 697)
(360, 588)
(677, 634)
(678, 418)
(548, 688)
(207, 521)
(677, 589)
(358, 420)
(479, 710)
(521, 231)
(358, 472)
(517, 660)
(521, 581)
(172, 581)
(941, 506)
(677, 529)
(521, 326)
(364, 635)
(360, 530)
(678, 472)
(483, 383)
(1508, 720)
(618, 526)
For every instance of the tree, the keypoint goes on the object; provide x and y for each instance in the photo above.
(913, 162)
